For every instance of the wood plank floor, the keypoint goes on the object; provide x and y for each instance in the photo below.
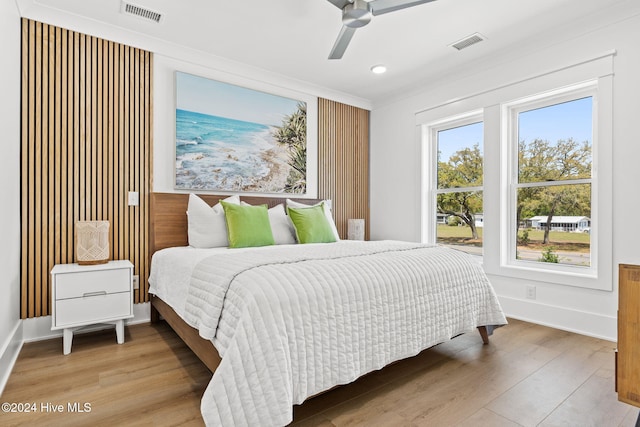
(529, 375)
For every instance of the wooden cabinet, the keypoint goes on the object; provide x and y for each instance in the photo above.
(628, 355)
(88, 294)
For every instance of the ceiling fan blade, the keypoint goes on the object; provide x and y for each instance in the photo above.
(340, 4)
(346, 33)
(379, 7)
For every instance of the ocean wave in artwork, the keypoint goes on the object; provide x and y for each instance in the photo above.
(216, 153)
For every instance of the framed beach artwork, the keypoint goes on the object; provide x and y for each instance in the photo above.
(234, 139)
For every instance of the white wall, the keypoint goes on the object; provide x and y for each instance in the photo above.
(167, 58)
(10, 331)
(396, 154)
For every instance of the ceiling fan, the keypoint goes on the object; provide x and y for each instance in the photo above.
(358, 13)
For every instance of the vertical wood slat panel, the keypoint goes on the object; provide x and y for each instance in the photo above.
(49, 251)
(24, 165)
(58, 96)
(119, 145)
(86, 142)
(67, 121)
(37, 188)
(95, 143)
(137, 161)
(115, 143)
(343, 170)
(145, 198)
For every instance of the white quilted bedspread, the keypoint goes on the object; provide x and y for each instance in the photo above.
(292, 322)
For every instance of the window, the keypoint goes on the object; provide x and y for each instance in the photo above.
(541, 161)
(551, 142)
(456, 148)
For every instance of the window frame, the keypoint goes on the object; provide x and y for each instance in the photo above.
(596, 274)
(512, 111)
(489, 102)
(430, 170)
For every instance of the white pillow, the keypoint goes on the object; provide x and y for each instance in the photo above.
(327, 213)
(207, 227)
(281, 225)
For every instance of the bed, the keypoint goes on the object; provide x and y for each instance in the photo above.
(278, 324)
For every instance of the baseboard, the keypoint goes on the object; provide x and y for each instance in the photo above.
(576, 321)
(9, 353)
(39, 328)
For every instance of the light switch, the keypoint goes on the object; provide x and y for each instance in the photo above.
(134, 198)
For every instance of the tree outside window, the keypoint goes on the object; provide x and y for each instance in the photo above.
(553, 189)
(459, 187)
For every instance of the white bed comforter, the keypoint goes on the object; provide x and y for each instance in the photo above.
(292, 322)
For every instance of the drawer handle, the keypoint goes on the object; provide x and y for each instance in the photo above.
(94, 294)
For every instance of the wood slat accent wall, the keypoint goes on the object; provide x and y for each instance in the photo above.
(343, 156)
(86, 142)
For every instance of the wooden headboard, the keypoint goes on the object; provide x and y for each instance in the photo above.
(168, 216)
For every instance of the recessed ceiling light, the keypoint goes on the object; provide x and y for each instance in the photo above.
(378, 69)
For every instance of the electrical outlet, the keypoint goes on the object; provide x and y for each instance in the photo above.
(136, 282)
(531, 292)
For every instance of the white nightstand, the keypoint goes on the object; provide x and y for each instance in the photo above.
(83, 295)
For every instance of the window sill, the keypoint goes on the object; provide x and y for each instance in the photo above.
(581, 277)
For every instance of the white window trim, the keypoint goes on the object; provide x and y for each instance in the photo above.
(598, 274)
(430, 173)
(598, 68)
(510, 113)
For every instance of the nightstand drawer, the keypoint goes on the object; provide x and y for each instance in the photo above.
(77, 284)
(93, 309)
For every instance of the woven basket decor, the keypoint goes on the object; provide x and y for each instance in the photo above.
(92, 242)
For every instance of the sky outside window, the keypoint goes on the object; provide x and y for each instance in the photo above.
(571, 119)
(455, 139)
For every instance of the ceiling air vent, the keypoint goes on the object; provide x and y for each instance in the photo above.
(140, 12)
(468, 41)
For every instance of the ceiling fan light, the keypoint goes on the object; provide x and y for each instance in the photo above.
(379, 69)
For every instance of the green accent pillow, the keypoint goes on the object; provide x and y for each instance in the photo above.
(311, 224)
(247, 226)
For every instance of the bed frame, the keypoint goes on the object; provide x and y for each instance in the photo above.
(168, 228)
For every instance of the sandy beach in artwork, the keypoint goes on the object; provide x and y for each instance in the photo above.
(214, 153)
(276, 178)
